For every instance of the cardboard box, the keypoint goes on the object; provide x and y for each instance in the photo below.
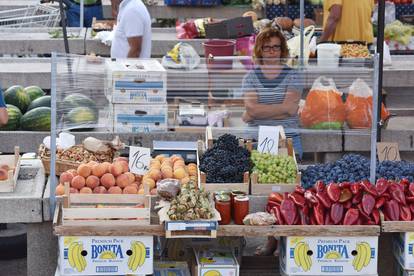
(214, 263)
(230, 28)
(105, 255)
(139, 118)
(136, 81)
(400, 271)
(164, 268)
(403, 248)
(328, 255)
(182, 249)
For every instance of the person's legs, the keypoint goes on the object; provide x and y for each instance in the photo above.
(73, 15)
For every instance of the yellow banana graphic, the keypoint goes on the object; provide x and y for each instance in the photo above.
(363, 256)
(367, 249)
(137, 259)
(81, 257)
(301, 257)
(76, 260)
(70, 256)
(357, 258)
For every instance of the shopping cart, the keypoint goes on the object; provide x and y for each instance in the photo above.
(30, 17)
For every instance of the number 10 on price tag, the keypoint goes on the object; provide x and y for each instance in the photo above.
(139, 160)
(269, 139)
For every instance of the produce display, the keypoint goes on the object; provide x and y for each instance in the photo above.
(77, 153)
(28, 109)
(102, 178)
(4, 172)
(398, 198)
(274, 168)
(191, 204)
(345, 203)
(399, 32)
(174, 167)
(226, 161)
(355, 167)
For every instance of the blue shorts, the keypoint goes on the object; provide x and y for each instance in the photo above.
(73, 14)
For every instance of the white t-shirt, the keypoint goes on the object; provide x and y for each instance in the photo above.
(133, 20)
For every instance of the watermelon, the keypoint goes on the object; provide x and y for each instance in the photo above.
(34, 92)
(82, 115)
(42, 101)
(77, 100)
(16, 96)
(14, 118)
(37, 119)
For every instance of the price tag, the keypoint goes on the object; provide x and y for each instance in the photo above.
(388, 152)
(139, 160)
(269, 139)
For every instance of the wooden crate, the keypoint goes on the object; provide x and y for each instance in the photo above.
(114, 209)
(244, 186)
(266, 188)
(13, 161)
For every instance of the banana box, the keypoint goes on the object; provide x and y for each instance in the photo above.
(214, 263)
(403, 248)
(165, 268)
(105, 255)
(328, 255)
(136, 81)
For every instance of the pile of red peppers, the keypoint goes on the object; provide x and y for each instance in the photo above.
(345, 203)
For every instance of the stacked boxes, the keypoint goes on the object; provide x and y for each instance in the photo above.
(403, 248)
(137, 92)
(214, 263)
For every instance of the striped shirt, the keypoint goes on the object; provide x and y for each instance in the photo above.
(273, 91)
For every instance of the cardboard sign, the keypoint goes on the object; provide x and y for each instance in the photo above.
(388, 152)
(139, 160)
(269, 139)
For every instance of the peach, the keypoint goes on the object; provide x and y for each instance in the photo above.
(116, 169)
(108, 180)
(121, 158)
(78, 182)
(135, 184)
(99, 169)
(3, 174)
(131, 177)
(153, 191)
(155, 164)
(185, 180)
(150, 182)
(84, 170)
(99, 190)
(192, 165)
(122, 180)
(141, 191)
(175, 158)
(85, 190)
(106, 164)
(166, 172)
(60, 190)
(160, 157)
(155, 174)
(73, 172)
(65, 177)
(179, 162)
(73, 190)
(5, 167)
(115, 190)
(138, 177)
(130, 190)
(92, 181)
(91, 163)
(125, 166)
(180, 173)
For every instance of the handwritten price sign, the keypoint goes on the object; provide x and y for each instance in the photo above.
(388, 152)
(139, 160)
(269, 139)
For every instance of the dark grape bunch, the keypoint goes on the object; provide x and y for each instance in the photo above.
(226, 161)
(395, 170)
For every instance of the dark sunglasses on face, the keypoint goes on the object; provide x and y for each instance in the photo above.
(275, 48)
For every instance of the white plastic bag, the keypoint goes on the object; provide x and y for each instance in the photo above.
(294, 45)
(389, 13)
(182, 56)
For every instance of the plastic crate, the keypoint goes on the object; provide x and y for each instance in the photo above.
(192, 2)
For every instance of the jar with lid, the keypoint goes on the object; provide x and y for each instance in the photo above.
(223, 206)
(241, 208)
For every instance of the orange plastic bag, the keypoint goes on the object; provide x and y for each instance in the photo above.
(323, 108)
(359, 106)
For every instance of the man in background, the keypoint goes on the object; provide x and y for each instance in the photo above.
(132, 38)
(347, 20)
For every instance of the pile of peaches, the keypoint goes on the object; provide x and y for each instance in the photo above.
(4, 172)
(101, 178)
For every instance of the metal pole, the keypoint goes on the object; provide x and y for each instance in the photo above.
(374, 128)
(380, 51)
(302, 27)
(81, 24)
(63, 22)
(53, 134)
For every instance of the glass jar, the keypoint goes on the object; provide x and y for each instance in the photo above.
(241, 208)
(233, 194)
(223, 206)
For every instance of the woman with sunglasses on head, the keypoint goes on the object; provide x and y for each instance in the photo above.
(272, 91)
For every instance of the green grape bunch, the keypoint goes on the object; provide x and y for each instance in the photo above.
(274, 168)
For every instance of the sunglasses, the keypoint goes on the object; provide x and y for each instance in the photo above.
(274, 48)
